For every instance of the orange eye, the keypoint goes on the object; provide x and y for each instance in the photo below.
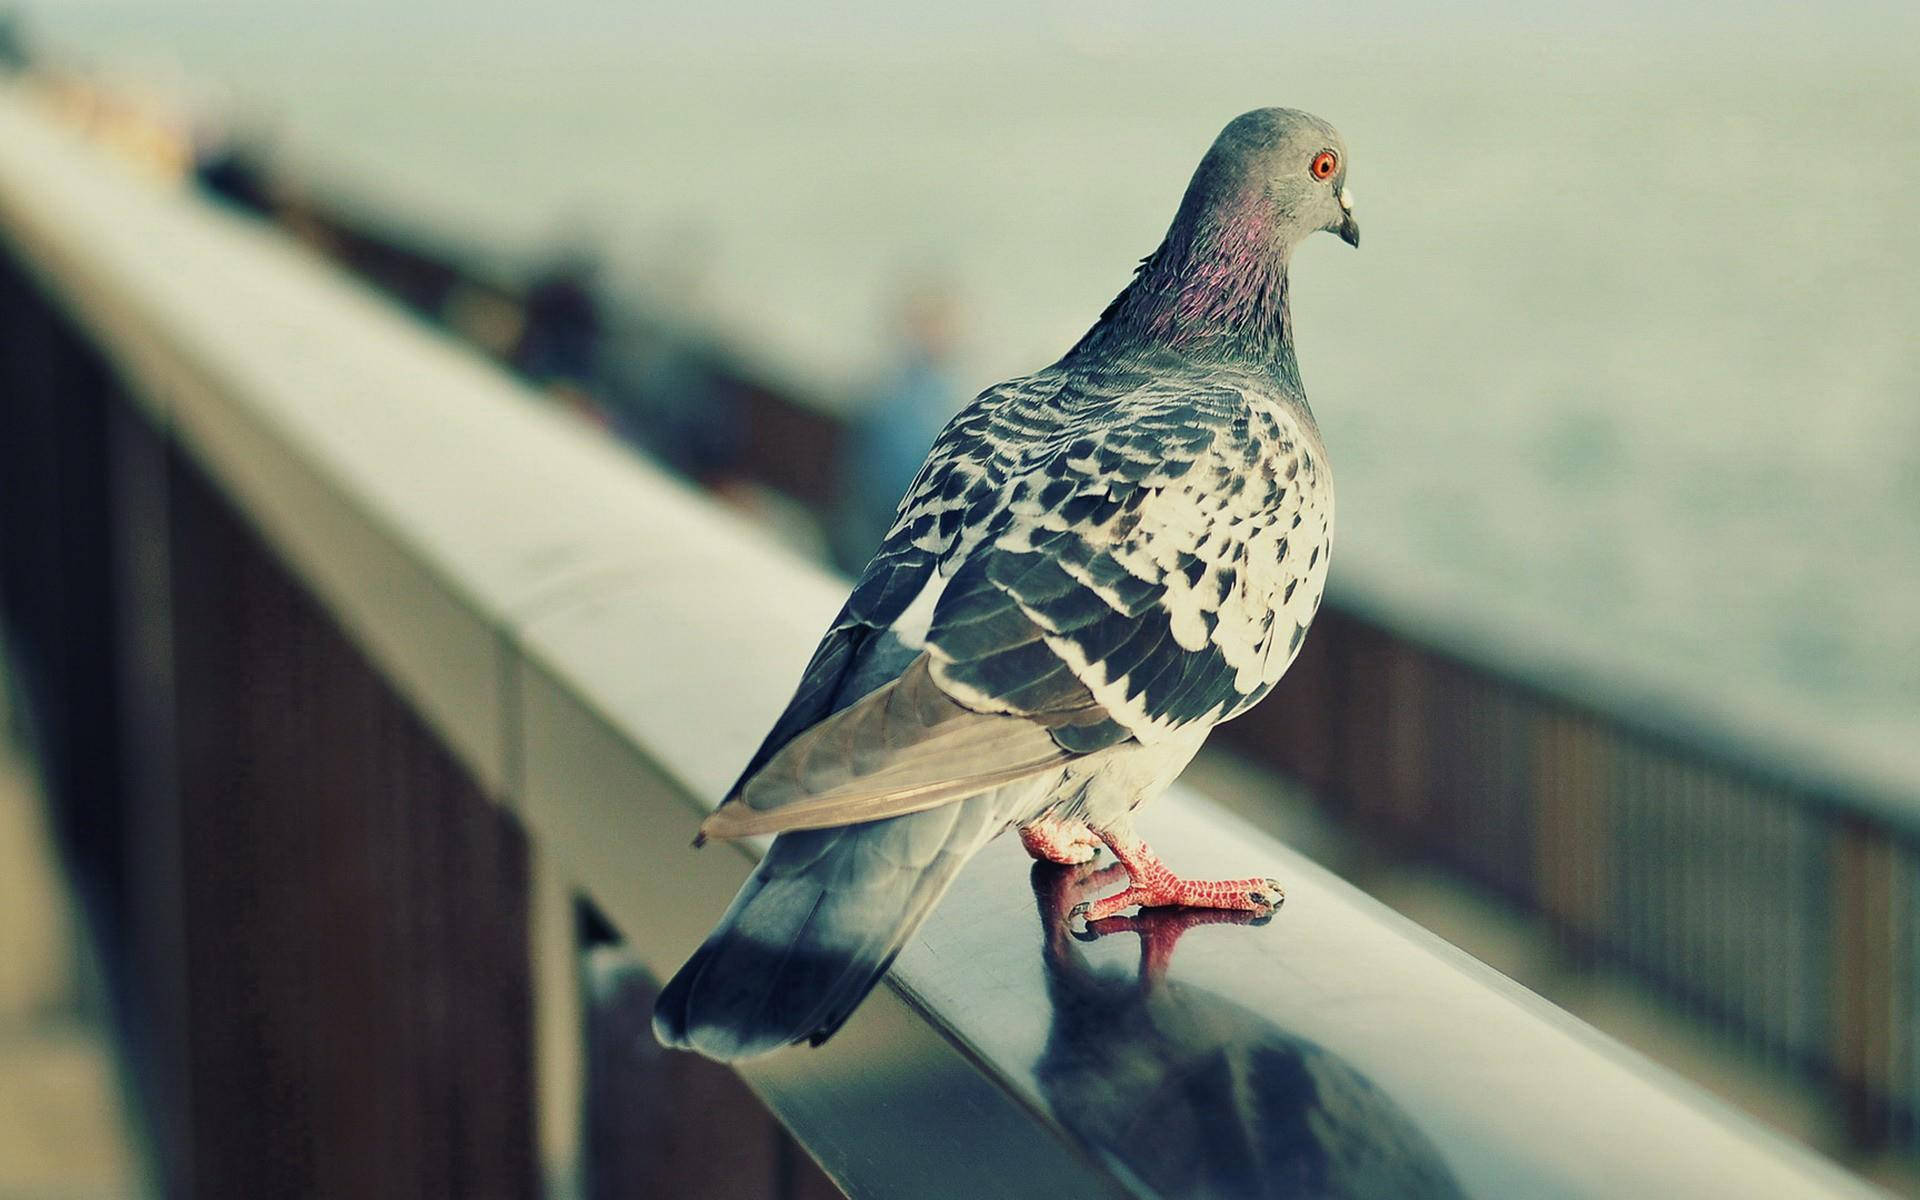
(1324, 164)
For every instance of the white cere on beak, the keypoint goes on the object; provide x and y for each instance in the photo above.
(1346, 199)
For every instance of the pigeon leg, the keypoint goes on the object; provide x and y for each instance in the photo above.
(1154, 886)
(1053, 839)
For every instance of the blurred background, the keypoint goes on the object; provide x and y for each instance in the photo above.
(1622, 391)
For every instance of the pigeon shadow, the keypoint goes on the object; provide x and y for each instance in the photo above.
(1195, 1095)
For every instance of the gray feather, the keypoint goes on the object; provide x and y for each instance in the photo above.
(818, 924)
(904, 748)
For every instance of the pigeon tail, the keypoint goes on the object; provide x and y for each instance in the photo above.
(816, 927)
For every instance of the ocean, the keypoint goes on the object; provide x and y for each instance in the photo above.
(1627, 354)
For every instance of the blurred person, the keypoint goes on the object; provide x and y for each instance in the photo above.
(665, 398)
(13, 44)
(667, 393)
(561, 338)
(889, 437)
(234, 168)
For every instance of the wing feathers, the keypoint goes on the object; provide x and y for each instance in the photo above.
(1115, 544)
(905, 748)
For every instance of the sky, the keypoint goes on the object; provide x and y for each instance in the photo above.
(758, 21)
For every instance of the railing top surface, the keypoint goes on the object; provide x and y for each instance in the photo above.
(604, 648)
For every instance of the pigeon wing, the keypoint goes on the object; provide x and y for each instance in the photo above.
(1102, 562)
(1167, 556)
(863, 738)
(979, 446)
(905, 748)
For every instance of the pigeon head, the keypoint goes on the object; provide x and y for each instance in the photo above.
(1217, 286)
(1276, 173)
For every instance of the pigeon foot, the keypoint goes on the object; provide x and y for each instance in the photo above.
(1051, 839)
(1152, 885)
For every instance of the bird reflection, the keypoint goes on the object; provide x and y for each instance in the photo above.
(1195, 1095)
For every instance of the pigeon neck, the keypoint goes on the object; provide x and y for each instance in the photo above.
(1215, 290)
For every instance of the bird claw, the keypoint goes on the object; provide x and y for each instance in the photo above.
(1269, 897)
(1151, 886)
(1055, 840)
(1083, 926)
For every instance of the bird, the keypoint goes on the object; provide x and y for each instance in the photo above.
(1096, 564)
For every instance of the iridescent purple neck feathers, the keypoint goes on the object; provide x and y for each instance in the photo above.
(1215, 290)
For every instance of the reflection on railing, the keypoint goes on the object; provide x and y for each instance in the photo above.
(1196, 1095)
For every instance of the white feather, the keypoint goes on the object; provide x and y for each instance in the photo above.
(913, 622)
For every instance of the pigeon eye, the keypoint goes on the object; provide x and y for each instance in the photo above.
(1324, 164)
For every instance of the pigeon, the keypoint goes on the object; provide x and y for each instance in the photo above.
(1096, 564)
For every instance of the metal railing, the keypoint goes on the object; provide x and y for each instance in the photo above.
(383, 701)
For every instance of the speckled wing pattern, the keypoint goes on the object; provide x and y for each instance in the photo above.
(1153, 535)
(1089, 555)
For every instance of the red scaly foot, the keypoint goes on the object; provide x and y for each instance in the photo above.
(1153, 886)
(1052, 839)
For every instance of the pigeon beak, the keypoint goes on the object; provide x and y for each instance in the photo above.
(1349, 228)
